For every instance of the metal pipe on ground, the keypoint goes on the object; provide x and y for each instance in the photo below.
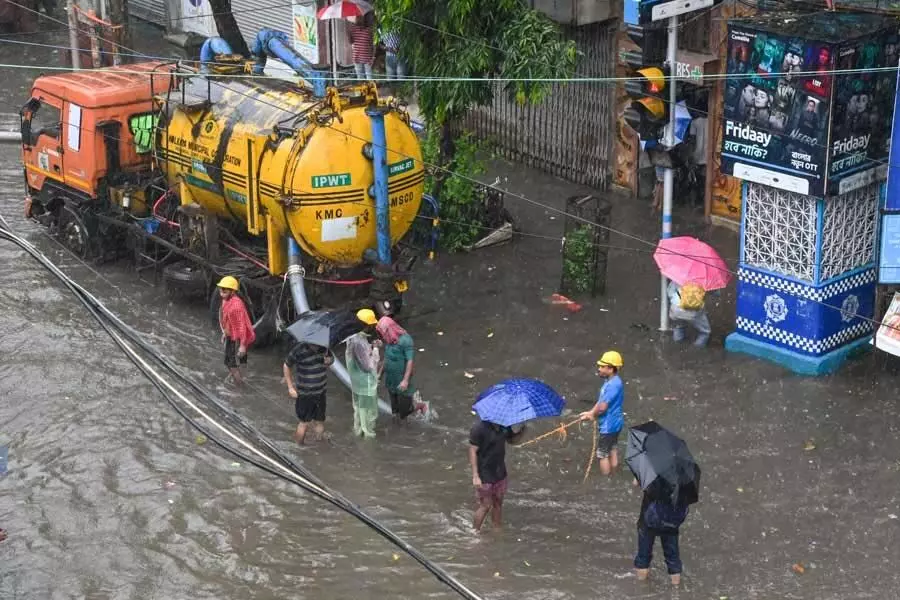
(301, 303)
(10, 137)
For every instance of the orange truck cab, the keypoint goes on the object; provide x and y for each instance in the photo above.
(86, 137)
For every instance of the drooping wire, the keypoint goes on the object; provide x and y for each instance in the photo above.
(554, 209)
(278, 465)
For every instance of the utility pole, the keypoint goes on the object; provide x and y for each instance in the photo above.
(73, 34)
(669, 176)
(121, 33)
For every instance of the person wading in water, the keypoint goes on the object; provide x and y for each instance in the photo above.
(362, 365)
(487, 456)
(398, 367)
(306, 375)
(237, 329)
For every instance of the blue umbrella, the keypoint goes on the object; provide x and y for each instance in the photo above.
(515, 401)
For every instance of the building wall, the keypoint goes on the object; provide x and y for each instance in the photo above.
(724, 202)
(569, 134)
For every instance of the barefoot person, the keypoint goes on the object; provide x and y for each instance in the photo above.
(487, 457)
(609, 411)
(661, 520)
(398, 367)
(237, 330)
(306, 374)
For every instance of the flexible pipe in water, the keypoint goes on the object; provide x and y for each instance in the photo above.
(298, 293)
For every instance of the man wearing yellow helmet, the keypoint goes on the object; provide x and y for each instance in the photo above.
(237, 329)
(609, 409)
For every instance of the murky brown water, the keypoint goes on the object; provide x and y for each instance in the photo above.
(109, 496)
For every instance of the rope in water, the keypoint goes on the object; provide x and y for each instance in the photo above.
(587, 470)
(561, 431)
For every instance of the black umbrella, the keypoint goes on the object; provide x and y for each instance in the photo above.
(662, 464)
(325, 328)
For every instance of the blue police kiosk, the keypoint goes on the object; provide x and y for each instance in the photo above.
(804, 129)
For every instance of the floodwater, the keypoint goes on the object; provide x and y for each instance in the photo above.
(109, 496)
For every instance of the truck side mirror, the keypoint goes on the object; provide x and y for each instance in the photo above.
(26, 130)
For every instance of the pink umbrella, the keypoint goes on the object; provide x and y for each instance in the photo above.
(344, 9)
(688, 260)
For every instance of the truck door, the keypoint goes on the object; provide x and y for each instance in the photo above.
(42, 140)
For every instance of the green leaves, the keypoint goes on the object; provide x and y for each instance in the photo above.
(461, 207)
(476, 39)
(578, 260)
(463, 47)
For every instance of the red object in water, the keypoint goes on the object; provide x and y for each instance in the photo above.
(570, 305)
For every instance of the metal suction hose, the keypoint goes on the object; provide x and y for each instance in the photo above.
(298, 293)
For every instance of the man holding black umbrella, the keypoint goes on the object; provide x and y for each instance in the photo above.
(306, 375)
(659, 520)
(670, 477)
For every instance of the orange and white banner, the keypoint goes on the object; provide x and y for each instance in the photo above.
(888, 336)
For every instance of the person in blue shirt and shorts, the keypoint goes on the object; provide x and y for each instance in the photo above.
(609, 411)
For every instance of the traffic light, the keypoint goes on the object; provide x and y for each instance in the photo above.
(648, 111)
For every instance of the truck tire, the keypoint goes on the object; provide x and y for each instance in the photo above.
(186, 278)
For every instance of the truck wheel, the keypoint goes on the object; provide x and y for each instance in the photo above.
(73, 233)
(185, 278)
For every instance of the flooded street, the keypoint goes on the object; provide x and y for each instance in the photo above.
(110, 496)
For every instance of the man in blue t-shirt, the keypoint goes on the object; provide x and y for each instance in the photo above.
(609, 411)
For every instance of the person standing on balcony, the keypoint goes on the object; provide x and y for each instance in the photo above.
(362, 42)
(393, 64)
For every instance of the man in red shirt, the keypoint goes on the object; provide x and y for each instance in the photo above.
(362, 42)
(237, 330)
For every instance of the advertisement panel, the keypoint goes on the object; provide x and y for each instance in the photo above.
(887, 338)
(306, 30)
(863, 103)
(807, 101)
(775, 121)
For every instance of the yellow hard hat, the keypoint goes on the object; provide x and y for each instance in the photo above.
(611, 358)
(367, 316)
(229, 283)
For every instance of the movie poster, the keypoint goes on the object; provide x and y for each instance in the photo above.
(863, 106)
(776, 120)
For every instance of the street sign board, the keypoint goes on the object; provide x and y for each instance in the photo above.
(889, 256)
(892, 193)
(660, 11)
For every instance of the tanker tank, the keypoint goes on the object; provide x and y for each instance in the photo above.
(268, 154)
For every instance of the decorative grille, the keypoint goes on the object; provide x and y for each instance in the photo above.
(780, 232)
(848, 231)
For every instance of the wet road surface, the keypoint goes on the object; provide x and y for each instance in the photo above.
(109, 495)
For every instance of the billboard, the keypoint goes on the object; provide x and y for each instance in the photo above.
(806, 115)
(863, 105)
(775, 119)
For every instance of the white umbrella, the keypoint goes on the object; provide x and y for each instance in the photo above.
(343, 9)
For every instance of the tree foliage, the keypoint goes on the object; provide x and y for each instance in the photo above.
(476, 39)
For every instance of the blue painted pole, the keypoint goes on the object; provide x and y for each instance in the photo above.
(379, 164)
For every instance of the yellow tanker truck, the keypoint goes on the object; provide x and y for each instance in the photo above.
(203, 172)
